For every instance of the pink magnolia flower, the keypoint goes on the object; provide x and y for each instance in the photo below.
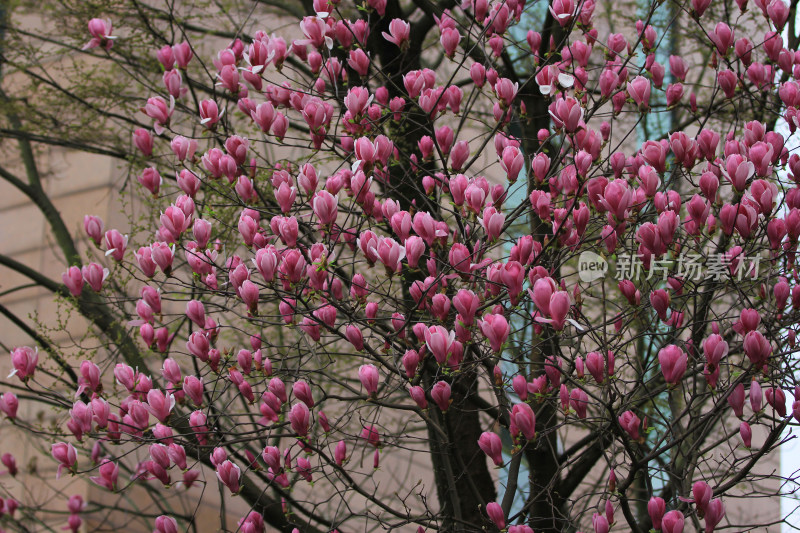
(109, 471)
(182, 52)
(100, 30)
(94, 228)
(209, 113)
(660, 301)
(736, 400)
(354, 336)
(673, 363)
(196, 313)
(9, 404)
(371, 435)
(597, 366)
(24, 360)
(492, 446)
(340, 453)
(777, 399)
(94, 275)
(369, 377)
(757, 348)
(512, 162)
(73, 279)
(656, 508)
(440, 392)
(563, 11)
(66, 455)
(600, 523)
(325, 207)
(506, 90)
(672, 522)
(459, 155)
(143, 141)
(157, 109)
(399, 33)
(630, 423)
(543, 290)
(228, 474)
(193, 387)
(715, 511)
(160, 404)
(756, 396)
(165, 524)
(75, 504)
(496, 330)
(80, 421)
(524, 420)
(410, 361)
(746, 433)
(449, 39)
(639, 91)
(778, 13)
(579, 401)
(495, 513)
(359, 61)
(567, 113)
(9, 462)
(557, 306)
(116, 243)
(300, 418)
(492, 221)
(439, 340)
(722, 37)
(248, 292)
(417, 394)
(466, 303)
(264, 116)
(197, 421)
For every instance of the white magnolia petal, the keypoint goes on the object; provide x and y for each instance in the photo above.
(566, 80)
(577, 326)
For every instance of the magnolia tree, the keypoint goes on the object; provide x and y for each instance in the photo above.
(428, 266)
